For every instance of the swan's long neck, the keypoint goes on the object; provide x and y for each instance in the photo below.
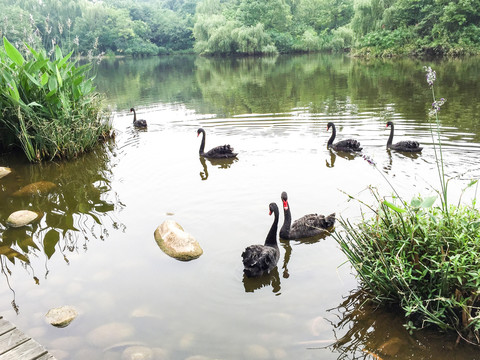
(271, 239)
(202, 145)
(334, 133)
(390, 138)
(134, 116)
(284, 231)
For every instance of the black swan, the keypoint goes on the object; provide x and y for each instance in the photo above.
(307, 226)
(219, 152)
(406, 146)
(138, 123)
(344, 145)
(261, 259)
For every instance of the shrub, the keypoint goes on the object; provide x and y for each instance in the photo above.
(49, 108)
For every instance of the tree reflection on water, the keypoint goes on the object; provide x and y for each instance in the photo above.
(80, 207)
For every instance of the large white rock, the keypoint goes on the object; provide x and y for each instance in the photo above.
(4, 171)
(21, 218)
(62, 316)
(177, 243)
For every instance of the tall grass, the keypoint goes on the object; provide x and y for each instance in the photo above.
(422, 258)
(49, 108)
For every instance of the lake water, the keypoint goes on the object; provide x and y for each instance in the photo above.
(94, 247)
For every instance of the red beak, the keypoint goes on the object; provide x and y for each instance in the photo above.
(285, 204)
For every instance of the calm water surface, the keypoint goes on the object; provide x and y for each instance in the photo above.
(94, 247)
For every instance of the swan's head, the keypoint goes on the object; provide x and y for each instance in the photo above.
(329, 125)
(285, 200)
(273, 208)
(199, 131)
(132, 109)
(389, 123)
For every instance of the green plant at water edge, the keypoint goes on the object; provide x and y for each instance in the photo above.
(48, 107)
(422, 258)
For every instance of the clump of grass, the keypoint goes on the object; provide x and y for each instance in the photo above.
(49, 108)
(422, 258)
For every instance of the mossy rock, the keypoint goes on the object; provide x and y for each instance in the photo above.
(177, 243)
(37, 188)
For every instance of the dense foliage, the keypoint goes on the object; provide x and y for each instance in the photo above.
(49, 108)
(149, 27)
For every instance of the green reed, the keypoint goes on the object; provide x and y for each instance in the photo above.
(49, 108)
(422, 258)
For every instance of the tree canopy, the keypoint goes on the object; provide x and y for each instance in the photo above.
(229, 27)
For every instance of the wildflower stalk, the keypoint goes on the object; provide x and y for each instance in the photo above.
(436, 105)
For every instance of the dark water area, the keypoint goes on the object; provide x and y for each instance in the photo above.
(94, 249)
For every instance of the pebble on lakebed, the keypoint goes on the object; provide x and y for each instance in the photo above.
(62, 316)
(177, 243)
(22, 217)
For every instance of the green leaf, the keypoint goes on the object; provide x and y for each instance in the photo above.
(428, 202)
(12, 89)
(50, 241)
(13, 53)
(52, 84)
(32, 79)
(59, 78)
(44, 79)
(58, 53)
(393, 207)
(65, 59)
(415, 202)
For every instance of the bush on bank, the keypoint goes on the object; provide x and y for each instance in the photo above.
(49, 108)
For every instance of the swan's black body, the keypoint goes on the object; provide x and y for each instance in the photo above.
(348, 145)
(261, 259)
(138, 123)
(307, 226)
(219, 152)
(406, 146)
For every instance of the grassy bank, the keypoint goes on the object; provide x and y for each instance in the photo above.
(49, 107)
(422, 256)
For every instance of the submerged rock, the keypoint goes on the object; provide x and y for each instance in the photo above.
(4, 171)
(137, 353)
(62, 316)
(21, 218)
(177, 243)
(37, 188)
(108, 334)
(392, 346)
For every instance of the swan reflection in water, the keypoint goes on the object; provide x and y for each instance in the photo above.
(342, 154)
(220, 163)
(256, 283)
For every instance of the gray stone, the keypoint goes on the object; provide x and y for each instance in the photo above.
(62, 316)
(21, 218)
(177, 243)
(4, 171)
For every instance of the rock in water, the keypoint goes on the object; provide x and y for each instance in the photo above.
(62, 316)
(175, 242)
(21, 218)
(4, 171)
(37, 188)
